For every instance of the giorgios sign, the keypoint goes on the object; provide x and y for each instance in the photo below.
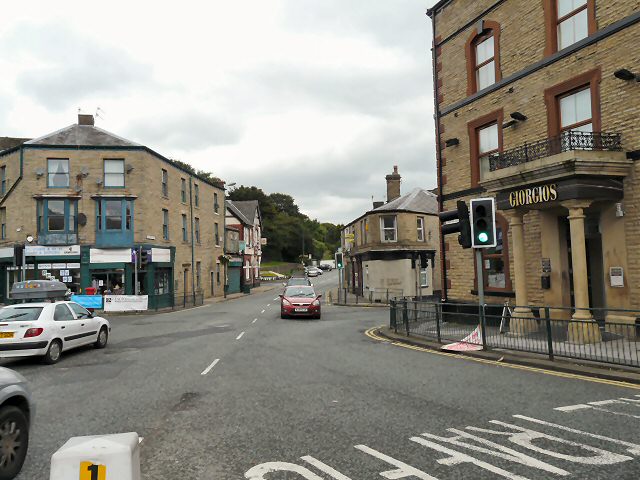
(533, 195)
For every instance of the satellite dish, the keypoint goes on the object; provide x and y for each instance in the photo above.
(84, 171)
(82, 219)
(129, 168)
(78, 188)
(98, 181)
(39, 172)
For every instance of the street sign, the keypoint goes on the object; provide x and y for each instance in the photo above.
(349, 236)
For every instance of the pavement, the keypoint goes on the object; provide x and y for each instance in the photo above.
(229, 390)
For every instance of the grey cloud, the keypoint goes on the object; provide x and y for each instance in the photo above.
(186, 130)
(74, 66)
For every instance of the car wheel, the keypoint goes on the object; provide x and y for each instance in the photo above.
(53, 352)
(103, 337)
(282, 315)
(14, 441)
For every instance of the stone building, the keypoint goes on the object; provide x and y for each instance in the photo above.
(245, 217)
(391, 249)
(82, 199)
(537, 104)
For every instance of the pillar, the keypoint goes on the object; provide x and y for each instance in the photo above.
(584, 329)
(522, 321)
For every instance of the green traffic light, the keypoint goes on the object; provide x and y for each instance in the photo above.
(483, 237)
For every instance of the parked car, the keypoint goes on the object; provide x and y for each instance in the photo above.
(298, 281)
(16, 416)
(326, 267)
(313, 271)
(300, 301)
(46, 330)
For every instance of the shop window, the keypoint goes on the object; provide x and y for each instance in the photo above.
(420, 226)
(3, 180)
(162, 282)
(197, 229)
(388, 228)
(216, 205)
(114, 221)
(185, 238)
(483, 56)
(495, 261)
(165, 224)
(57, 224)
(165, 183)
(568, 22)
(196, 195)
(58, 172)
(114, 173)
(485, 141)
(183, 190)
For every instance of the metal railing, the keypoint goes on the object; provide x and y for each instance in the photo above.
(544, 330)
(382, 296)
(567, 141)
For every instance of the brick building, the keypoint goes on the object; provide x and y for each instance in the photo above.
(392, 248)
(245, 217)
(86, 198)
(537, 104)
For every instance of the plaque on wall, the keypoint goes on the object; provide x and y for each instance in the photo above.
(616, 275)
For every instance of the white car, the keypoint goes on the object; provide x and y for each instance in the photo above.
(46, 329)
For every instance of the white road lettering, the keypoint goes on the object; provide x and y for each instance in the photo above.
(239, 336)
(525, 437)
(403, 470)
(268, 304)
(208, 369)
(496, 450)
(456, 458)
(262, 311)
(633, 448)
(259, 471)
(324, 468)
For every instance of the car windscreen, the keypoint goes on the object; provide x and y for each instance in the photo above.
(299, 292)
(15, 314)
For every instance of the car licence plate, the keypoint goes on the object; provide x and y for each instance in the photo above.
(6, 334)
(301, 309)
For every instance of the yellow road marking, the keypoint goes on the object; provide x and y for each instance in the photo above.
(371, 333)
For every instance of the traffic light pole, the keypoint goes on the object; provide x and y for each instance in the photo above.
(480, 278)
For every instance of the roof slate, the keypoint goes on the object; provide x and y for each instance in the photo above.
(418, 200)
(82, 135)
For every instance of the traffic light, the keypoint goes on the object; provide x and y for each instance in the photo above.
(339, 263)
(462, 226)
(483, 222)
(144, 257)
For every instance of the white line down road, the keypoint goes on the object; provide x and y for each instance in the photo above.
(210, 367)
(239, 336)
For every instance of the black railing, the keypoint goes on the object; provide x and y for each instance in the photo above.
(544, 330)
(564, 142)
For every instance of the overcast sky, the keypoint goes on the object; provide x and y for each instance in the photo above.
(314, 98)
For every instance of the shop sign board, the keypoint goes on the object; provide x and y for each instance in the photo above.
(7, 252)
(533, 195)
(160, 255)
(52, 251)
(126, 303)
(113, 255)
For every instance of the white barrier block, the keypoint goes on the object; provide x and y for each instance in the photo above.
(98, 457)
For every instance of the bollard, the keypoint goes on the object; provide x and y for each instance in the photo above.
(98, 457)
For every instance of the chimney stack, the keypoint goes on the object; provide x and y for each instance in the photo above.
(393, 185)
(84, 119)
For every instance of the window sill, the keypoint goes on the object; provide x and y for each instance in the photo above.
(166, 197)
(496, 293)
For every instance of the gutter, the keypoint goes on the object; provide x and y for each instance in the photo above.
(434, 61)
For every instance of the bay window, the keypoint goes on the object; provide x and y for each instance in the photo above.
(56, 219)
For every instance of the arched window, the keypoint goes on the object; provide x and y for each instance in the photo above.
(495, 261)
(483, 56)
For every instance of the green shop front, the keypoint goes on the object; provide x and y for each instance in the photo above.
(112, 271)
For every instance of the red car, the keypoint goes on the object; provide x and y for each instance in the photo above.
(300, 301)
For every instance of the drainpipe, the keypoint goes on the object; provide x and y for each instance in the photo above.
(15, 184)
(434, 61)
(193, 245)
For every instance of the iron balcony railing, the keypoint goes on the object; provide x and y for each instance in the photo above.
(564, 142)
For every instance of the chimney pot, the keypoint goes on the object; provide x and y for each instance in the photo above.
(84, 119)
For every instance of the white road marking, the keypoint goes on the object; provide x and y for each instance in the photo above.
(268, 304)
(262, 311)
(571, 408)
(208, 369)
(259, 472)
(604, 402)
(254, 320)
(632, 400)
(324, 468)
(633, 447)
(239, 336)
(403, 470)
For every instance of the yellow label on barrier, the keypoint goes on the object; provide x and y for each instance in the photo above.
(91, 471)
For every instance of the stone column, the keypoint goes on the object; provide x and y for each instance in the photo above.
(522, 321)
(585, 329)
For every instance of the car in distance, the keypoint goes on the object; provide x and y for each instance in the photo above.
(44, 329)
(300, 301)
(326, 267)
(16, 414)
(313, 271)
(298, 281)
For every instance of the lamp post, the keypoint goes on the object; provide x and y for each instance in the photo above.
(29, 239)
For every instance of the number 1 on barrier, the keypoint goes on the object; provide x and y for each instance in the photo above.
(91, 471)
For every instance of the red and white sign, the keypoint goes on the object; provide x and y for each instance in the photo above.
(472, 342)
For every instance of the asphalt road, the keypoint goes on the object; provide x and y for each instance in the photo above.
(318, 399)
